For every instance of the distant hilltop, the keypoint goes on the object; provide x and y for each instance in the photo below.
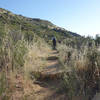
(30, 26)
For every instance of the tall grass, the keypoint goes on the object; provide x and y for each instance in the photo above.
(17, 54)
(35, 58)
(11, 58)
(82, 70)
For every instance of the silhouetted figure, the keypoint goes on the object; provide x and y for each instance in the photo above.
(54, 42)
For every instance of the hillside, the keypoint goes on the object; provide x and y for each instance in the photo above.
(31, 26)
(31, 69)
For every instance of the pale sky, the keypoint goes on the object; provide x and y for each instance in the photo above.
(80, 16)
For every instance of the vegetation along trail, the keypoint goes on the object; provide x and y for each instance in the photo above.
(31, 70)
(47, 86)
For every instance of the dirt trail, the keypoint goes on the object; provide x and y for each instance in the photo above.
(47, 89)
(53, 65)
(18, 89)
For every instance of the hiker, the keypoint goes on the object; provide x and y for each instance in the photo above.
(54, 42)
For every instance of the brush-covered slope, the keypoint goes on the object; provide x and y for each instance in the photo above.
(30, 26)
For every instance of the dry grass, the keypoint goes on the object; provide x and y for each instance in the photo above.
(35, 59)
(19, 60)
(85, 70)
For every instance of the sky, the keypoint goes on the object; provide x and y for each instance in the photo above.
(80, 16)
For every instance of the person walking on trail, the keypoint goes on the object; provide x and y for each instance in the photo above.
(54, 42)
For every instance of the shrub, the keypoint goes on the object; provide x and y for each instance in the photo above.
(82, 69)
